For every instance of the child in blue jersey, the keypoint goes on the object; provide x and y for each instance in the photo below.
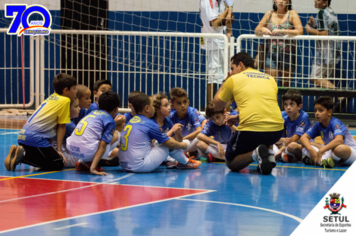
(99, 87)
(161, 117)
(129, 115)
(136, 152)
(296, 123)
(185, 115)
(74, 113)
(83, 95)
(95, 137)
(48, 121)
(339, 145)
(215, 147)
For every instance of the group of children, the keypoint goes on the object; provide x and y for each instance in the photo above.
(67, 130)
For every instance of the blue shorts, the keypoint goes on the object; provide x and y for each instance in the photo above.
(286, 62)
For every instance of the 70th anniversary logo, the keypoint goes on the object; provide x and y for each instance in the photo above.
(21, 13)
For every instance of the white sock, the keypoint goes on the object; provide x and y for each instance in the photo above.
(254, 155)
(179, 156)
(334, 157)
(193, 145)
(212, 151)
(170, 159)
(271, 157)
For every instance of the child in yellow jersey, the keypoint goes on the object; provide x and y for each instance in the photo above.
(48, 121)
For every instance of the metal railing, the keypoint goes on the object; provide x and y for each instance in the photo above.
(150, 62)
(11, 71)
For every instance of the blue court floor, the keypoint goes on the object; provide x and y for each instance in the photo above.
(208, 201)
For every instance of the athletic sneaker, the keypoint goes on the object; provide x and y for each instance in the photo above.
(191, 164)
(9, 157)
(18, 157)
(265, 166)
(211, 158)
(306, 160)
(171, 164)
(329, 163)
(80, 167)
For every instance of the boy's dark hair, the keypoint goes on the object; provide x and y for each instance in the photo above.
(62, 81)
(140, 101)
(329, 2)
(100, 82)
(243, 57)
(177, 93)
(108, 101)
(294, 95)
(325, 101)
(132, 95)
(209, 110)
(289, 6)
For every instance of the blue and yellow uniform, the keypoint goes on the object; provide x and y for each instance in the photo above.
(335, 127)
(190, 122)
(136, 141)
(41, 127)
(128, 117)
(81, 115)
(299, 126)
(93, 107)
(84, 141)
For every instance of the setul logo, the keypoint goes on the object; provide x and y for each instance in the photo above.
(335, 205)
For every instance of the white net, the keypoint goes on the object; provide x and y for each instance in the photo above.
(157, 63)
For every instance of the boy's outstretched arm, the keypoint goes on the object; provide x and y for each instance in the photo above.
(172, 144)
(98, 155)
(194, 134)
(61, 131)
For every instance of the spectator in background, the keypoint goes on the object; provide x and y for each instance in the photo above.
(327, 52)
(280, 54)
(213, 14)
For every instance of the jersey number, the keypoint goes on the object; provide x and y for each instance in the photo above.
(80, 131)
(38, 110)
(128, 128)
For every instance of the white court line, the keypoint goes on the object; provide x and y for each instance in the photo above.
(241, 205)
(110, 182)
(62, 191)
(96, 213)
(70, 226)
(9, 133)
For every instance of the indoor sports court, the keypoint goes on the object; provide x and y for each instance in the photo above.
(210, 200)
(153, 46)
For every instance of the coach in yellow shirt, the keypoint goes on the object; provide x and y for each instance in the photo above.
(260, 119)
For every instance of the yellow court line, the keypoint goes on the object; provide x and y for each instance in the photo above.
(296, 167)
(24, 176)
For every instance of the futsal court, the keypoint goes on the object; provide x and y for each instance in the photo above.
(210, 200)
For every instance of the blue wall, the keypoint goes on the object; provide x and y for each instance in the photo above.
(245, 23)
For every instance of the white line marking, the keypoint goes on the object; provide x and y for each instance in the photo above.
(62, 191)
(70, 226)
(96, 213)
(241, 205)
(109, 182)
(9, 133)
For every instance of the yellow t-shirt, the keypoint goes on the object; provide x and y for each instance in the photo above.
(42, 124)
(255, 94)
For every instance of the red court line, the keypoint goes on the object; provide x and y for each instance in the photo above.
(60, 205)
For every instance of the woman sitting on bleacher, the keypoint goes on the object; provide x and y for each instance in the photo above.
(280, 54)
